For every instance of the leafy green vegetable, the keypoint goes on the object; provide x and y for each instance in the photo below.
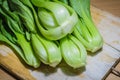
(39, 49)
(85, 29)
(24, 13)
(48, 30)
(24, 50)
(73, 52)
(53, 51)
(48, 51)
(57, 19)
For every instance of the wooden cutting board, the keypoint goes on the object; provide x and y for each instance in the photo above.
(97, 64)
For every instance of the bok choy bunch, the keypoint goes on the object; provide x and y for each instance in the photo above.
(85, 30)
(48, 31)
(46, 51)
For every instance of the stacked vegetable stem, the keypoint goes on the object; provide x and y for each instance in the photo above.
(48, 31)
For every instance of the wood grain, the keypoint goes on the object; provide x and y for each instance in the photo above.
(5, 75)
(112, 6)
(12, 63)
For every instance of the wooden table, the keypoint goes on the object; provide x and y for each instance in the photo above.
(112, 6)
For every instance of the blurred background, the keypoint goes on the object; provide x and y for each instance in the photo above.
(112, 6)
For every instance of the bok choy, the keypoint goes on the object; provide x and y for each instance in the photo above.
(73, 52)
(47, 51)
(57, 19)
(85, 29)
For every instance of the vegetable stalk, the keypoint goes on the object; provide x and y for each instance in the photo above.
(73, 52)
(48, 51)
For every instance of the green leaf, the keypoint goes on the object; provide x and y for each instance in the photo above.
(24, 13)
